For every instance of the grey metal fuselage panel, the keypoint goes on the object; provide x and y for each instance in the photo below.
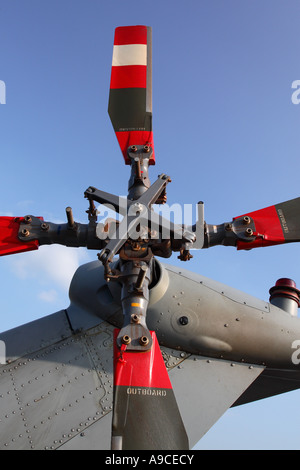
(56, 389)
(56, 384)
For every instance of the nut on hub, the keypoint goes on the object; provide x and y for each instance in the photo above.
(126, 339)
(144, 340)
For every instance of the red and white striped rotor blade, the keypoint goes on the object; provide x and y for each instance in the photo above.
(130, 98)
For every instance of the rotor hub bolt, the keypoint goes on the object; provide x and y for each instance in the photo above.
(248, 232)
(135, 318)
(144, 340)
(45, 226)
(133, 148)
(126, 339)
(25, 232)
(246, 220)
(27, 219)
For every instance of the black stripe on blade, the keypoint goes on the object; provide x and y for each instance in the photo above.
(127, 110)
(147, 419)
(289, 215)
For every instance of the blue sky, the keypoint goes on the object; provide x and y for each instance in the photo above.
(225, 130)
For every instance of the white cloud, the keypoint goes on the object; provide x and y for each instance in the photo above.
(48, 296)
(52, 265)
(25, 204)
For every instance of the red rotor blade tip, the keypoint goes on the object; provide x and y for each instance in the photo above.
(9, 241)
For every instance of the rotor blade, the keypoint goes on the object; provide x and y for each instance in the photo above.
(275, 225)
(130, 98)
(9, 241)
(146, 415)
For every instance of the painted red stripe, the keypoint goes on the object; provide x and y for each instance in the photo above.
(9, 241)
(267, 228)
(140, 369)
(129, 76)
(128, 138)
(130, 35)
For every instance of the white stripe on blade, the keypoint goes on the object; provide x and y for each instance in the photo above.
(130, 54)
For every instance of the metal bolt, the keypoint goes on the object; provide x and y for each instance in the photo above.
(248, 232)
(25, 232)
(126, 339)
(133, 148)
(135, 318)
(144, 340)
(141, 277)
(27, 219)
(70, 217)
(246, 220)
(138, 167)
(45, 226)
